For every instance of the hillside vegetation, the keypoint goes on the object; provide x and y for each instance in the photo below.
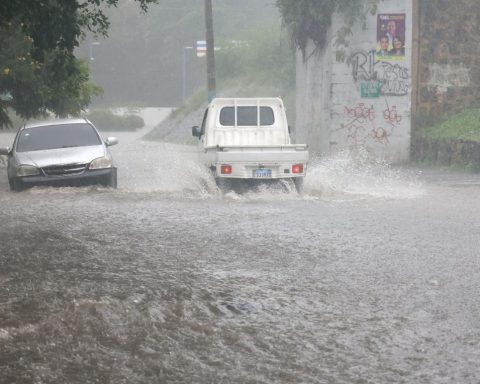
(144, 59)
(463, 126)
(454, 142)
(260, 64)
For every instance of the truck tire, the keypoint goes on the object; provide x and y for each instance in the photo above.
(223, 184)
(298, 181)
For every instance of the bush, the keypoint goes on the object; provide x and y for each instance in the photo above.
(463, 126)
(105, 120)
(264, 56)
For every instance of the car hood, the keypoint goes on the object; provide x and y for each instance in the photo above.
(74, 155)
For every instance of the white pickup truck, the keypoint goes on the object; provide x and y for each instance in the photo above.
(249, 138)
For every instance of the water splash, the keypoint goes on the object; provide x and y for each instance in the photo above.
(357, 174)
(175, 171)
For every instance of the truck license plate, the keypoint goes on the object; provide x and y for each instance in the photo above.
(262, 173)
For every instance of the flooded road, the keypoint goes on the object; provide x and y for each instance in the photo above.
(372, 276)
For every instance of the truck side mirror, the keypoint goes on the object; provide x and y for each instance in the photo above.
(196, 131)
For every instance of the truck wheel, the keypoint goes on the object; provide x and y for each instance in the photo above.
(298, 181)
(223, 184)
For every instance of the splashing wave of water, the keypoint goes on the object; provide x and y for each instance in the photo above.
(357, 174)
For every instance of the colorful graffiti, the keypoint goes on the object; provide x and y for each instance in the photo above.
(393, 77)
(448, 76)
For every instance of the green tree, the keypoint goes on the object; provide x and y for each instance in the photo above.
(37, 65)
(311, 20)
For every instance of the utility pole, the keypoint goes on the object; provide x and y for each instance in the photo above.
(416, 77)
(211, 83)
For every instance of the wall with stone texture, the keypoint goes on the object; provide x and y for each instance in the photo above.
(449, 56)
(364, 102)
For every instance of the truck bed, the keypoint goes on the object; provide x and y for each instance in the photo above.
(249, 154)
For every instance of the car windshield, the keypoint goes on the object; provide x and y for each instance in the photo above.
(57, 136)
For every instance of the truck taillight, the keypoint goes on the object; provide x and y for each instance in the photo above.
(226, 169)
(297, 168)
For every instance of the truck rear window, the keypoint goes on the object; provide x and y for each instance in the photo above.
(246, 116)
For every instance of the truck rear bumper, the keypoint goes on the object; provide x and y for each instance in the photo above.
(259, 171)
(276, 162)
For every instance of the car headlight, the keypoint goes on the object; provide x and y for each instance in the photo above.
(27, 170)
(101, 162)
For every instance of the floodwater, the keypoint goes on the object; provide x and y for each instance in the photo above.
(371, 276)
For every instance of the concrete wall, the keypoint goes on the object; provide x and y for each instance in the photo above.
(362, 102)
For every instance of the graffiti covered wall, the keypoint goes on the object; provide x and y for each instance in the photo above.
(366, 100)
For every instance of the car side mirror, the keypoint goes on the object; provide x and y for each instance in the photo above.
(109, 141)
(196, 131)
(4, 151)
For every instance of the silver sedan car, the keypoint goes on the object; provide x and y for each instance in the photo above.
(60, 152)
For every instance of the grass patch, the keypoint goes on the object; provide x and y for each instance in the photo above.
(454, 143)
(105, 120)
(463, 126)
(190, 105)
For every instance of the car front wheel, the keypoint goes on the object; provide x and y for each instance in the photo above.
(110, 180)
(113, 180)
(16, 184)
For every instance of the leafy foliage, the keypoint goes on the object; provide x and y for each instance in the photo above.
(59, 23)
(261, 55)
(37, 64)
(56, 81)
(311, 19)
(258, 64)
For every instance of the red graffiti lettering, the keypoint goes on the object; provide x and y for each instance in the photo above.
(360, 112)
(391, 116)
(380, 135)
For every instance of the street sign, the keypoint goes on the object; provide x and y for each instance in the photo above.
(201, 48)
(370, 89)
